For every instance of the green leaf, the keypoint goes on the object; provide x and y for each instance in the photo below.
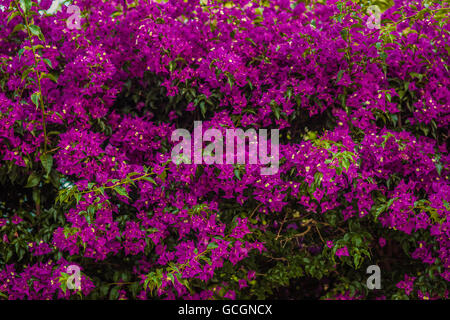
(48, 62)
(416, 75)
(172, 65)
(163, 175)
(37, 47)
(203, 108)
(276, 111)
(47, 163)
(388, 96)
(339, 75)
(439, 168)
(122, 191)
(12, 16)
(346, 163)
(8, 255)
(25, 5)
(18, 27)
(230, 79)
(36, 31)
(78, 197)
(212, 245)
(21, 51)
(150, 179)
(379, 210)
(26, 72)
(114, 294)
(36, 196)
(49, 76)
(357, 240)
(33, 180)
(237, 174)
(251, 41)
(35, 99)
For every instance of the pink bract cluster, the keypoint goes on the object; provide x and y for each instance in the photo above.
(86, 117)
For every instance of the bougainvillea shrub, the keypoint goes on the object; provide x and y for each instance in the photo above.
(89, 100)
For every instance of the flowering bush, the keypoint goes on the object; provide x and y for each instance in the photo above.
(87, 180)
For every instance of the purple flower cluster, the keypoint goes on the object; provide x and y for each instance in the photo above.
(279, 65)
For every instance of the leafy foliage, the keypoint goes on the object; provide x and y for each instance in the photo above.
(86, 177)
